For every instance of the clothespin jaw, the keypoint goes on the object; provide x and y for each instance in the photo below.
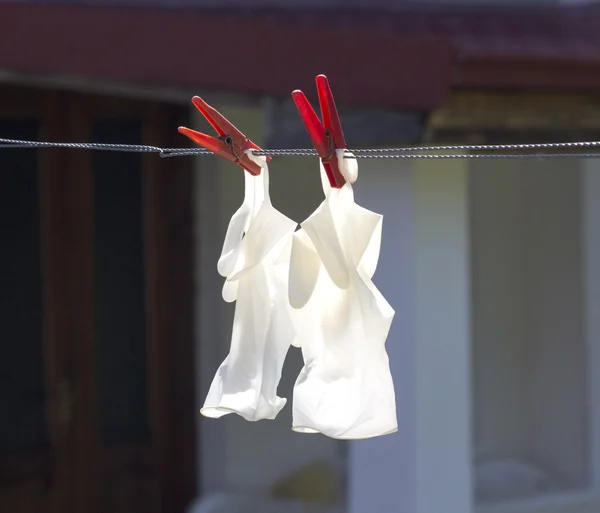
(230, 144)
(326, 135)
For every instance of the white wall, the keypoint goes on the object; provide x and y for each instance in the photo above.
(482, 251)
(487, 265)
(591, 265)
(423, 272)
(500, 355)
(529, 348)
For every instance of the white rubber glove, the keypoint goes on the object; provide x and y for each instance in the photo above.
(255, 261)
(345, 389)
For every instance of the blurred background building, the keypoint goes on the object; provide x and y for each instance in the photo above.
(111, 320)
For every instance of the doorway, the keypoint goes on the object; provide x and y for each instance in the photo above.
(96, 296)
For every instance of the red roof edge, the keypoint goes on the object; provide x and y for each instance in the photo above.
(210, 51)
(368, 64)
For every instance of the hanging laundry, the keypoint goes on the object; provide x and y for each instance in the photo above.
(311, 288)
(255, 262)
(345, 389)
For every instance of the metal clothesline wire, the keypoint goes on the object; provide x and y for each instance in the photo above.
(407, 152)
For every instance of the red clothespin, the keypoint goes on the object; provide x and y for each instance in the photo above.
(327, 136)
(230, 144)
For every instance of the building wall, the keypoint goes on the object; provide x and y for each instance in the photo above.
(484, 262)
(418, 206)
(421, 203)
(529, 346)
